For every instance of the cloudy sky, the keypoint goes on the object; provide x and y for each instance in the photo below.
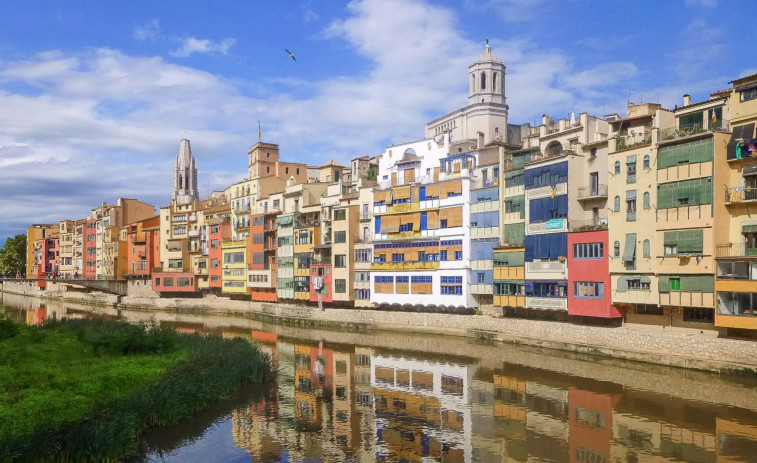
(95, 96)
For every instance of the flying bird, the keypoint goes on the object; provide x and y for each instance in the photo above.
(291, 55)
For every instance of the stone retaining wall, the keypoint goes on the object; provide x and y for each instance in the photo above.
(701, 352)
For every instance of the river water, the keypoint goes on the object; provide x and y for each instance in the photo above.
(342, 396)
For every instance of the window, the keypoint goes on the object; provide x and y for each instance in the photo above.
(443, 223)
(458, 255)
(635, 284)
(340, 261)
(480, 277)
(617, 167)
(398, 257)
(168, 281)
(483, 81)
(340, 214)
(698, 315)
(303, 237)
(362, 255)
(616, 249)
(750, 94)
(340, 236)
(646, 161)
(683, 242)
(646, 248)
(451, 285)
(588, 250)
(631, 170)
(213, 263)
(588, 290)
(443, 255)
(594, 152)
(406, 227)
(675, 284)
(340, 286)
(616, 205)
(684, 193)
(233, 257)
(646, 200)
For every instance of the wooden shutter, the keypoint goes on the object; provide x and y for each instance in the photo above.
(436, 174)
(451, 187)
(453, 216)
(385, 195)
(390, 224)
(402, 193)
(432, 191)
(394, 178)
(409, 175)
(432, 220)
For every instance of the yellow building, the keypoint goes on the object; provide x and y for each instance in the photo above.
(509, 278)
(234, 276)
(736, 240)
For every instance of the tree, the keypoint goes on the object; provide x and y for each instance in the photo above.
(371, 174)
(13, 256)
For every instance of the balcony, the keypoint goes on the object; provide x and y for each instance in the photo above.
(588, 224)
(693, 129)
(193, 218)
(406, 265)
(365, 216)
(193, 233)
(630, 216)
(735, 250)
(586, 193)
(738, 194)
(626, 141)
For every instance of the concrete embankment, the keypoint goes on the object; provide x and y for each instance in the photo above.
(660, 347)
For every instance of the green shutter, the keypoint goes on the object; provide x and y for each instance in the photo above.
(698, 191)
(286, 220)
(699, 283)
(515, 233)
(663, 284)
(629, 251)
(749, 229)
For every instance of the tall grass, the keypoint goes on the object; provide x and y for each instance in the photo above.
(208, 368)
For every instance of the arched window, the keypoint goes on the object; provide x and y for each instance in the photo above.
(616, 249)
(554, 148)
(617, 204)
(646, 200)
(646, 161)
(646, 248)
(617, 167)
(494, 82)
(483, 81)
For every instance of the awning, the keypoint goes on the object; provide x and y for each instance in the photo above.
(743, 132)
(631, 159)
(630, 195)
(623, 281)
(286, 220)
(749, 229)
(630, 250)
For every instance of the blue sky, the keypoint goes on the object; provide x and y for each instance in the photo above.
(95, 96)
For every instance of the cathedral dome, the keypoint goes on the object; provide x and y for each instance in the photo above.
(487, 56)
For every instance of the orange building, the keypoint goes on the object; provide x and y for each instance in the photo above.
(141, 246)
(219, 230)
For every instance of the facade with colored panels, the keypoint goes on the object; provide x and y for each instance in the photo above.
(421, 217)
(307, 236)
(589, 288)
(513, 197)
(33, 233)
(141, 242)
(46, 257)
(219, 230)
(736, 237)
(285, 256)
(66, 259)
(168, 283)
(90, 244)
(485, 222)
(321, 283)
(234, 276)
(509, 278)
(687, 209)
(632, 186)
(262, 269)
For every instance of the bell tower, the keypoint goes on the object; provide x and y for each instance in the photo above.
(486, 79)
(184, 175)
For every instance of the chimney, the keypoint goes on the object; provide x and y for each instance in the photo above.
(544, 119)
(686, 99)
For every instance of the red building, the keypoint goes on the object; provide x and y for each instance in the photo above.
(90, 250)
(142, 241)
(218, 231)
(589, 287)
(262, 268)
(174, 282)
(590, 420)
(321, 271)
(46, 258)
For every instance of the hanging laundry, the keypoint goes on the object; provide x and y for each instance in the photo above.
(738, 150)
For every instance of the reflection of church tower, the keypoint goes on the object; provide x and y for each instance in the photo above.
(185, 175)
(487, 79)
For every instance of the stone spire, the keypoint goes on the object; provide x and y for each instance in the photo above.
(184, 175)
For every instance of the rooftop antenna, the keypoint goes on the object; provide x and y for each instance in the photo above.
(629, 96)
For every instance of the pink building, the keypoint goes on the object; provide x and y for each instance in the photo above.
(218, 231)
(589, 290)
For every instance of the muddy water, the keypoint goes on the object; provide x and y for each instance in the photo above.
(340, 396)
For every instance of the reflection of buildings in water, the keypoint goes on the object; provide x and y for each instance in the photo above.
(343, 402)
(736, 442)
(422, 408)
(591, 425)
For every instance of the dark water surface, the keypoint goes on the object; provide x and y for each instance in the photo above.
(342, 396)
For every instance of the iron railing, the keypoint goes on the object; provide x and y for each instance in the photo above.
(735, 250)
(739, 194)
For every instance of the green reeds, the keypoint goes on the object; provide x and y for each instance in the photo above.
(175, 374)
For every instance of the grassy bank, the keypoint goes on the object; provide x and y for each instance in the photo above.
(85, 389)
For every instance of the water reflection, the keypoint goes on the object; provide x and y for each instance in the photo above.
(335, 401)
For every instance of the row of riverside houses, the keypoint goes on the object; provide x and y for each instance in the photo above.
(644, 219)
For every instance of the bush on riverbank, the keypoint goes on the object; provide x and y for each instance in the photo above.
(84, 389)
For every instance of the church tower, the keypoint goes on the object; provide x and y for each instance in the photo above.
(184, 175)
(487, 79)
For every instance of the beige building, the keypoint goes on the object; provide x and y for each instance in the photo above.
(632, 189)
(363, 252)
(66, 264)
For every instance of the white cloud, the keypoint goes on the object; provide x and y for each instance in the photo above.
(147, 31)
(509, 10)
(309, 14)
(191, 45)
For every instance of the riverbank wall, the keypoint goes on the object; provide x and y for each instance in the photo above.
(655, 346)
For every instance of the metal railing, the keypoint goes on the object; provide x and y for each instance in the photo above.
(739, 194)
(586, 192)
(587, 225)
(630, 216)
(735, 250)
(693, 129)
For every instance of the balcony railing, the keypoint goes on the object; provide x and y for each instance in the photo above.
(627, 141)
(193, 233)
(587, 225)
(693, 129)
(740, 194)
(630, 216)
(595, 192)
(735, 250)
(365, 216)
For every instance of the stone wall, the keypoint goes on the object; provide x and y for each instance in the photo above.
(701, 352)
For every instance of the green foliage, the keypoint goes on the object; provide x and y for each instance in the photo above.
(13, 256)
(371, 174)
(8, 329)
(84, 390)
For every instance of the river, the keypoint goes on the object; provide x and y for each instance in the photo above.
(341, 396)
